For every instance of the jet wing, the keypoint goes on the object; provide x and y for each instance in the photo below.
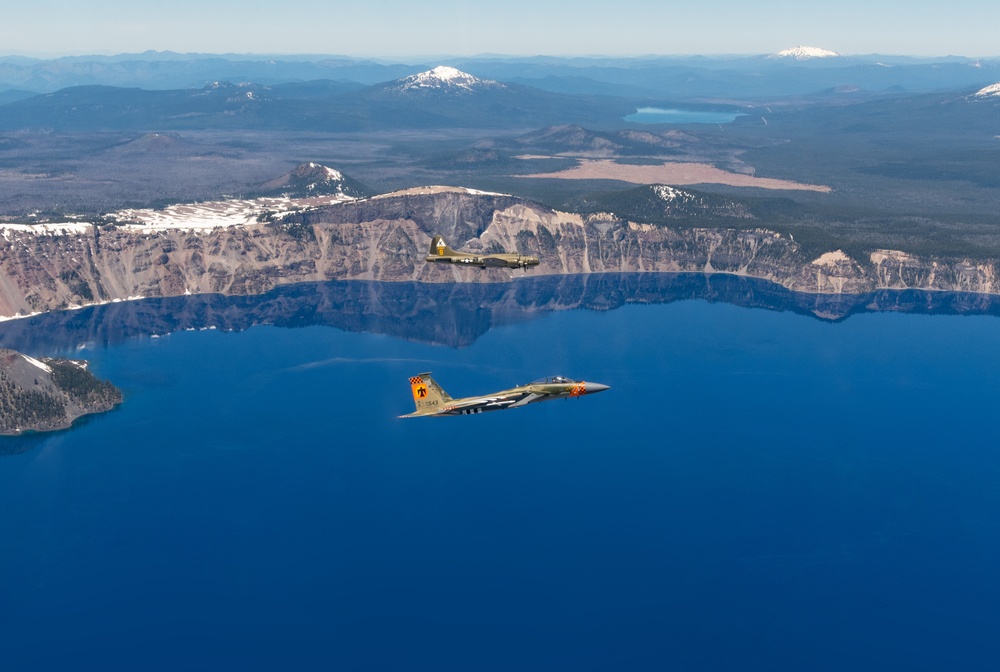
(527, 399)
(479, 404)
(455, 407)
(475, 403)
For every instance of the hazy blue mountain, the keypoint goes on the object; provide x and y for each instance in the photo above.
(433, 98)
(163, 70)
(423, 100)
(13, 95)
(684, 77)
(745, 77)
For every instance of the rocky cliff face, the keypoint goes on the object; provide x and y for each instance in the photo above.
(385, 238)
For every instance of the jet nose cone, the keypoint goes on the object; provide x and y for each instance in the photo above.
(596, 387)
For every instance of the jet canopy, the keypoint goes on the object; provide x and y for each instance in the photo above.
(553, 380)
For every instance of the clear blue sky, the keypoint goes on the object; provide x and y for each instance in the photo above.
(402, 28)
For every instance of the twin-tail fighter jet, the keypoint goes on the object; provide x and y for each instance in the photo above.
(432, 400)
(441, 252)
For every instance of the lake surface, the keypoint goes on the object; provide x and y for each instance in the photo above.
(759, 490)
(657, 115)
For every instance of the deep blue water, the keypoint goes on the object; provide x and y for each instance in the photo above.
(656, 115)
(759, 490)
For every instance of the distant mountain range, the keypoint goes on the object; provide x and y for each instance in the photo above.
(437, 98)
(442, 97)
(795, 71)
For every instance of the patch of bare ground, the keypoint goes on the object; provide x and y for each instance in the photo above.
(674, 173)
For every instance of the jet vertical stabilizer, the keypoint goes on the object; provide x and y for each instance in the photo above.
(428, 396)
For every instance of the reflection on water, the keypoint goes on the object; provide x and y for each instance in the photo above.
(447, 314)
(23, 443)
(15, 445)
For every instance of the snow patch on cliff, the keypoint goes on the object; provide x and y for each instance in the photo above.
(437, 189)
(57, 229)
(34, 362)
(831, 259)
(219, 214)
(881, 256)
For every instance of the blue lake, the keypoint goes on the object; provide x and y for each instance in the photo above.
(759, 490)
(657, 115)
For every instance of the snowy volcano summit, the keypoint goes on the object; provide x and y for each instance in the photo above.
(991, 91)
(805, 53)
(444, 78)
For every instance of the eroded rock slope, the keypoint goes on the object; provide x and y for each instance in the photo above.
(386, 237)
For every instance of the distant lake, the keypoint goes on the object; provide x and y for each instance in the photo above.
(656, 115)
(761, 489)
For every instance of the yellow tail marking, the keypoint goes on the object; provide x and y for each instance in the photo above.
(418, 387)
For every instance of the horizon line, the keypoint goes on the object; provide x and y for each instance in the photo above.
(47, 56)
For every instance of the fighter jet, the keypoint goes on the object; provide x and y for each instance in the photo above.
(441, 252)
(432, 400)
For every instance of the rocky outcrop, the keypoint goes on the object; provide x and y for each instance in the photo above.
(385, 238)
(47, 393)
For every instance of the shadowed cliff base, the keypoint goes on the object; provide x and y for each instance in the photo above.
(454, 315)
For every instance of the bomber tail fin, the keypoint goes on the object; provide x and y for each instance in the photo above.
(439, 248)
(428, 396)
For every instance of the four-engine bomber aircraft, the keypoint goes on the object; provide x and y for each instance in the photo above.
(441, 252)
(432, 400)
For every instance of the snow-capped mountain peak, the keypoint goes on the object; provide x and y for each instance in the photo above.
(446, 78)
(804, 53)
(991, 91)
(313, 179)
(319, 173)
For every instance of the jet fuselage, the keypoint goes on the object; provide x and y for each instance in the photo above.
(431, 400)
